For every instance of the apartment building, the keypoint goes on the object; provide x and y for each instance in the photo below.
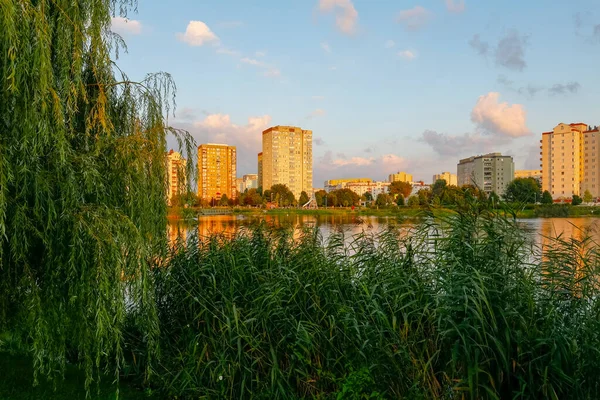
(217, 164)
(529, 173)
(260, 170)
(570, 160)
(176, 180)
(286, 159)
(400, 177)
(246, 182)
(450, 178)
(490, 172)
(359, 186)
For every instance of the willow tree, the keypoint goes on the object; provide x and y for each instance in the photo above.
(82, 184)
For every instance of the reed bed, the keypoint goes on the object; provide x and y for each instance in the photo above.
(463, 306)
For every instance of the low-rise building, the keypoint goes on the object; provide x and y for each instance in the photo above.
(359, 186)
(418, 186)
(450, 178)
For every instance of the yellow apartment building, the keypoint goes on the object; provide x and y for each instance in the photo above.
(175, 174)
(286, 159)
(400, 177)
(217, 164)
(570, 160)
(450, 178)
(260, 170)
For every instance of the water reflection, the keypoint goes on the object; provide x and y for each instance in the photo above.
(352, 224)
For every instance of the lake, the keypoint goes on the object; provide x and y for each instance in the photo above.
(355, 224)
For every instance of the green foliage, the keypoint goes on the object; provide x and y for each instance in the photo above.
(547, 198)
(403, 188)
(368, 196)
(282, 195)
(552, 210)
(587, 196)
(413, 201)
(303, 198)
(424, 196)
(82, 186)
(345, 197)
(383, 200)
(576, 200)
(461, 307)
(400, 200)
(224, 201)
(523, 190)
(251, 198)
(320, 196)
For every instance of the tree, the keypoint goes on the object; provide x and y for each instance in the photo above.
(400, 200)
(332, 200)
(224, 200)
(320, 197)
(403, 188)
(346, 197)
(413, 201)
(82, 185)
(587, 196)
(576, 200)
(368, 196)
(283, 195)
(523, 190)
(303, 198)
(439, 188)
(424, 196)
(383, 200)
(547, 198)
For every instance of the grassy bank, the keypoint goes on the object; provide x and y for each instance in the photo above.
(463, 307)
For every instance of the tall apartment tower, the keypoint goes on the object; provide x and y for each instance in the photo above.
(175, 174)
(260, 171)
(450, 178)
(491, 172)
(217, 171)
(286, 159)
(400, 177)
(570, 160)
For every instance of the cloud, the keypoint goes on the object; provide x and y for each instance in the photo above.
(456, 145)
(198, 33)
(318, 141)
(389, 44)
(318, 97)
(414, 18)
(333, 68)
(317, 113)
(407, 55)
(124, 26)
(560, 89)
(455, 6)
(269, 71)
(229, 52)
(510, 52)
(356, 161)
(260, 53)
(272, 73)
(368, 150)
(586, 28)
(530, 90)
(500, 118)
(346, 16)
(251, 61)
(326, 47)
(480, 47)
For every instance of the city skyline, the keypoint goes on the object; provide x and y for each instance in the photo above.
(383, 86)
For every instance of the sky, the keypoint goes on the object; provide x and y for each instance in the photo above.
(384, 85)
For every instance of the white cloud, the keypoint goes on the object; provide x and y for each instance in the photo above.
(273, 73)
(252, 61)
(500, 118)
(318, 97)
(346, 15)
(455, 6)
(389, 44)
(198, 33)
(333, 68)
(260, 53)
(357, 161)
(124, 26)
(407, 55)
(229, 52)
(317, 113)
(414, 18)
(325, 46)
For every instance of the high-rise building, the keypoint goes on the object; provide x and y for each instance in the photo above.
(249, 181)
(400, 177)
(451, 179)
(175, 174)
(287, 159)
(260, 171)
(216, 171)
(491, 172)
(570, 160)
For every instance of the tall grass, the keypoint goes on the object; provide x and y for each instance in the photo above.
(464, 306)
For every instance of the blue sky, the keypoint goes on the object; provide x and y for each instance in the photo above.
(383, 85)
